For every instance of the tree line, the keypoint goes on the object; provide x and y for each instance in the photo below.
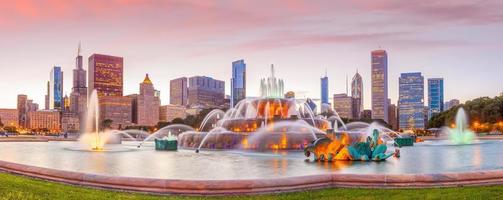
(484, 110)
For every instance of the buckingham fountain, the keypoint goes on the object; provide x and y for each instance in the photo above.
(260, 139)
(270, 122)
(273, 122)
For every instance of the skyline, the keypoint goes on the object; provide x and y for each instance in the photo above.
(461, 45)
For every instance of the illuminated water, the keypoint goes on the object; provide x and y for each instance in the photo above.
(128, 160)
(460, 134)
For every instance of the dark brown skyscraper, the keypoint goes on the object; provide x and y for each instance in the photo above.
(106, 75)
(79, 90)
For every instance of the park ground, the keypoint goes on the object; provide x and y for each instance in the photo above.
(13, 187)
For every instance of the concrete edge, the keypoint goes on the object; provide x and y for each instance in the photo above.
(257, 186)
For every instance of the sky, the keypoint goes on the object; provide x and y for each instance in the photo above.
(460, 41)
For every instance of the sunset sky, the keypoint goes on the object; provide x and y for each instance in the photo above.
(461, 41)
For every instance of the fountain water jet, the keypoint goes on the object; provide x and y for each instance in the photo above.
(460, 134)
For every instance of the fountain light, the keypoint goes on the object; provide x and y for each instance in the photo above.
(460, 133)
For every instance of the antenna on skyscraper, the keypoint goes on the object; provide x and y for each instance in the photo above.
(326, 72)
(78, 50)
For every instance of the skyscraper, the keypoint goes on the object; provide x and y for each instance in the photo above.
(106, 75)
(78, 97)
(117, 109)
(411, 101)
(238, 82)
(435, 96)
(47, 95)
(343, 105)
(324, 89)
(206, 91)
(392, 115)
(178, 91)
(147, 104)
(22, 109)
(379, 85)
(357, 95)
(56, 89)
(451, 103)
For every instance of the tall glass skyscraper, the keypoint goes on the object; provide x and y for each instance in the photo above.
(435, 96)
(357, 95)
(238, 82)
(411, 101)
(324, 89)
(379, 81)
(56, 88)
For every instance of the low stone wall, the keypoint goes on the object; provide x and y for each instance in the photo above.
(257, 186)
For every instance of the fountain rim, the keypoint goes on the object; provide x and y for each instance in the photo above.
(256, 186)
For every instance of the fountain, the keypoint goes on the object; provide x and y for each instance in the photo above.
(460, 134)
(326, 149)
(270, 122)
(92, 137)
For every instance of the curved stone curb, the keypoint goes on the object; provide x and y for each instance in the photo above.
(256, 186)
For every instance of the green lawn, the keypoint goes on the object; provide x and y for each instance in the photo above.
(18, 187)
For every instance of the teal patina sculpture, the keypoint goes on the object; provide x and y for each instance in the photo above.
(169, 143)
(326, 149)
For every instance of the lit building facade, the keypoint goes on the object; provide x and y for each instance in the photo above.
(411, 101)
(22, 101)
(379, 81)
(116, 108)
(435, 96)
(106, 75)
(357, 95)
(78, 97)
(168, 113)
(178, 91)
(70, 122)
(147, 104)
(206, 91)
(343, 105)
(238, 82)
(324, 89)
(9, 117)
(30, 106)
(46, 120)
(56, 89)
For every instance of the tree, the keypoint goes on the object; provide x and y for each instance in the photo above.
(483, 110)
(163, 124)
(1, 124)
(177, 121)
(107, 124)
(10, 129)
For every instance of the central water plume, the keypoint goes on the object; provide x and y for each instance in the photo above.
(461, 134)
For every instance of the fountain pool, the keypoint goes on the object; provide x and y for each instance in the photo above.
(423, 158)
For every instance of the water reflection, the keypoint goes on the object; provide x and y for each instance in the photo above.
(224, 165)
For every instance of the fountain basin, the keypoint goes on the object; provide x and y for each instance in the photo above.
(239, 140)
(231, 172)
